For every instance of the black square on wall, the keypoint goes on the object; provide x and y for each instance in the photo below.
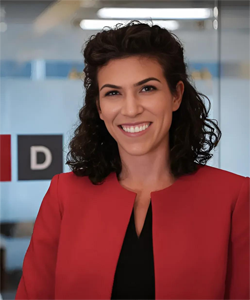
(40, 157)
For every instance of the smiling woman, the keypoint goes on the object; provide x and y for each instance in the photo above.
(140, 216)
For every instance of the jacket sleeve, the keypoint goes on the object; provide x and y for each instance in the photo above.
(38, 276)
(237, 277)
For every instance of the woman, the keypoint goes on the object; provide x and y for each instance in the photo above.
(140, 216)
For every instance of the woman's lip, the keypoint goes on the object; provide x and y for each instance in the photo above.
(135, 134)
(133, 124)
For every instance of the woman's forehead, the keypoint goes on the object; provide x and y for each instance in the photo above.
(130, 68)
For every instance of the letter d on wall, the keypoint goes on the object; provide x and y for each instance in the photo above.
(33, 157)
(40, 157)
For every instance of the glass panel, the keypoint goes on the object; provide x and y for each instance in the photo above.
(42, 92)
(234, 87)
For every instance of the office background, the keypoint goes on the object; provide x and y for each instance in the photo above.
(42, 92)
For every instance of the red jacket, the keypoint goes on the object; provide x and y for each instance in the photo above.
(200, 238)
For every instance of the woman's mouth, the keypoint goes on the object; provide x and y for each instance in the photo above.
(138, 130)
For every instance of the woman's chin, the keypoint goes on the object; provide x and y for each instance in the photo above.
(135, 150)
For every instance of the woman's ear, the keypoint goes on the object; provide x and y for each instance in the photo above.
(178, 95)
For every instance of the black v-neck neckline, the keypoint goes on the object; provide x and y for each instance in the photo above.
(139, 238)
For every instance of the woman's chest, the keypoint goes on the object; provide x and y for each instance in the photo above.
(189, 245)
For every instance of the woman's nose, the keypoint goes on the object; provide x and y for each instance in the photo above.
(131, 106)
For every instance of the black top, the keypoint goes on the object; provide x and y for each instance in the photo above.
(134, 277)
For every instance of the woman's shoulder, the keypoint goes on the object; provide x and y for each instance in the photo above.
(71, 176)
(224, 180)
(71, 179)
(72, 188)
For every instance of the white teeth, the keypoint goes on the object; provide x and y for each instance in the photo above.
(135, 129)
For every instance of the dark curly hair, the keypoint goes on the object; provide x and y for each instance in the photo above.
(93, 151)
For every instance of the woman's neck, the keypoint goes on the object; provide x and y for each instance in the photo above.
(145, 171)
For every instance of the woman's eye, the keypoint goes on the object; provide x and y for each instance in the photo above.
(108, 93)
(149, 86)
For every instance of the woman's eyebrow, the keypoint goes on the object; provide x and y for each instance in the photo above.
(136, 84)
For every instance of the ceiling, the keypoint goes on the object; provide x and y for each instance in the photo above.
(63, 38)
(24, 11)
(27, 11)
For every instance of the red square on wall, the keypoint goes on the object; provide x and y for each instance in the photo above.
(5, 157)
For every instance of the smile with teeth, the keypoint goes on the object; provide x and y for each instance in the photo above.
(135, 128)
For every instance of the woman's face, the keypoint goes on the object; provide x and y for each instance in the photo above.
(124, 100)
